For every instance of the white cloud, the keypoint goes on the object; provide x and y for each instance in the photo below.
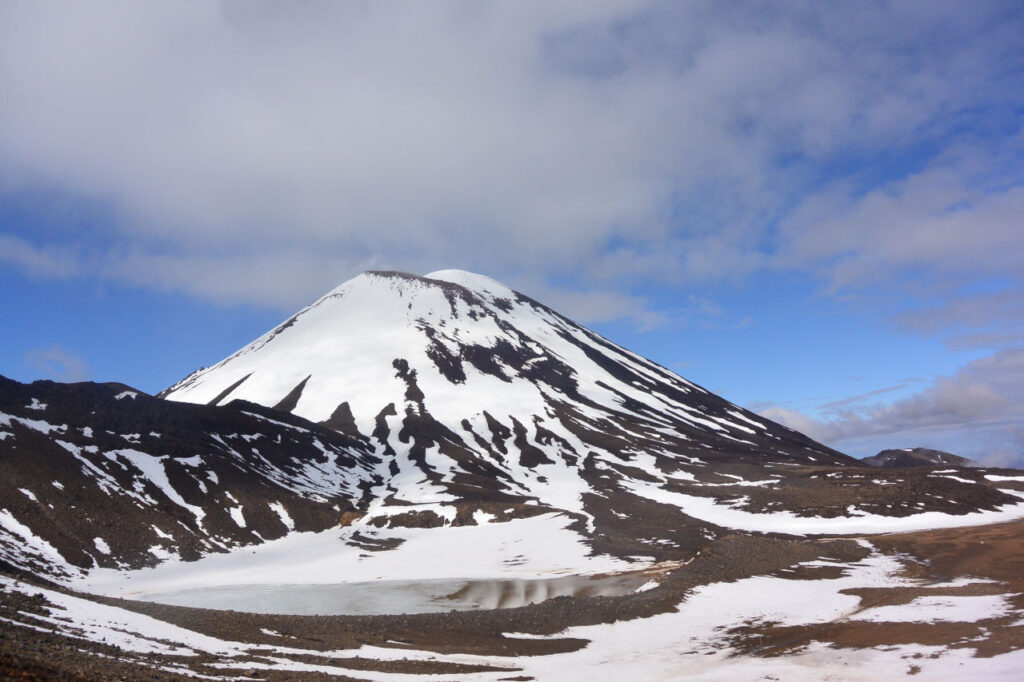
(56, 362)
(593, 306)
(798, 421)
(46, 261)
(991, 319)
(937, 222)
(976, 412)
(258, 153)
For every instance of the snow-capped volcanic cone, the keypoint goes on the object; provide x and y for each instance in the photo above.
(501, 372)
(474, 390)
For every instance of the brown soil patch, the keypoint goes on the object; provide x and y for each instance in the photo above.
(988, 552)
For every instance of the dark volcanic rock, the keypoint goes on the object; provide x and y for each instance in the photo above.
(109, 476)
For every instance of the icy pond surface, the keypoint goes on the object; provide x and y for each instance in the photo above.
(396, 596)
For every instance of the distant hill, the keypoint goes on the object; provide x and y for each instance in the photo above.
(916, 457)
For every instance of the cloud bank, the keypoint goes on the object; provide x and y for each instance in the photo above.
(247, 151)
(57, 363)
(253, 152)
(979, 410)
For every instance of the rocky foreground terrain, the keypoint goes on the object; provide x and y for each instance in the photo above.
(438, 477)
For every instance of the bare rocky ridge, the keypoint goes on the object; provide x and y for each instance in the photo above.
(109, 476)
(916, 457)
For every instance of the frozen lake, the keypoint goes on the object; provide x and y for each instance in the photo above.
(384, 597)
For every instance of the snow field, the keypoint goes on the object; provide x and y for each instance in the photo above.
(857, 523)
(690, 642)
(537, 547)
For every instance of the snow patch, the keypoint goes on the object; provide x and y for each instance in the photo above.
(728, 516)
(236, 516)
(939, 609)
(538, 547)
(282, 513)
(152, 467)
(956, 478)
(15, 527)
(160, 553)
(34, 424)
(481, 517)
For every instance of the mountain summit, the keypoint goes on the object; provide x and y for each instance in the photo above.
(472, 387)
(482, 360)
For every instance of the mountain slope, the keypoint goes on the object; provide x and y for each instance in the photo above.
(470, 386)
(473, 394)
(101, 475)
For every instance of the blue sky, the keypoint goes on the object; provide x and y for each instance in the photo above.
(814, 209)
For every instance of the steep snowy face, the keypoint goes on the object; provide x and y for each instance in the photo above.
(468, 387)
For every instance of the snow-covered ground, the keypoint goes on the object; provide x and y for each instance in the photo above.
(383, 597)
(932, 609)
(691, 642)
(538, 547)
(854, 522)
(282, 576)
